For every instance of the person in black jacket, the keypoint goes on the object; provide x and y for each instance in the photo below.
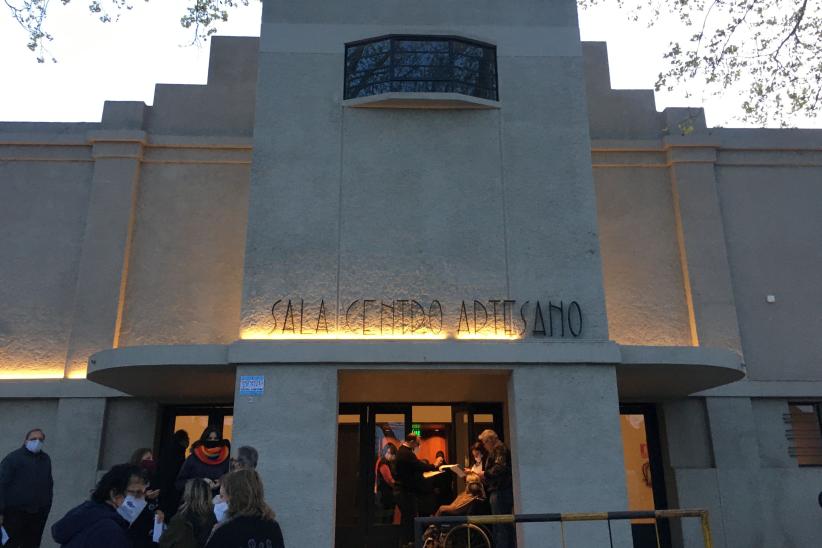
(209, 459)
(103, 521)
(26, 489)
(172, 457)
(142, 530)
(499, 485)
(410, 484)
(443, 484)
(250, 520)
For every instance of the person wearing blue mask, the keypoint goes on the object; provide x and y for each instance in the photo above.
(103, 522)
(26, 489)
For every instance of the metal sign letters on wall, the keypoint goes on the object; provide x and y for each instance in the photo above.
(409, 317)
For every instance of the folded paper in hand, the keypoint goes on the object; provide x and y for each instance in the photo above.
(454, 468)
(158, 529)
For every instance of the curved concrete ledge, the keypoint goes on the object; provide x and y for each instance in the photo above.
(664, 372)
(206, 372)
(178, 373)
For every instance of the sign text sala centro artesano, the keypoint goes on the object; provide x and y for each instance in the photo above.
(492, 318)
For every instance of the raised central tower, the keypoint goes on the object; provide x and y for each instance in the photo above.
(422, 169)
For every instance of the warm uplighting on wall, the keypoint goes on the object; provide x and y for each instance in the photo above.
(262, 334)
(488, 337)
(76, 374)
(27, 374)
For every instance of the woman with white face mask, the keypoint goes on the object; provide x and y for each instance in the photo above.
(103, 521)
(26, 491)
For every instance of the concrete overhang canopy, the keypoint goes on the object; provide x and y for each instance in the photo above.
(188, 373)
(174, 373)
(664, 372)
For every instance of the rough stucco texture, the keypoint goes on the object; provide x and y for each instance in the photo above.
(185, 275)
(130, 424)
(644, 292)
(43, 210)
(773, 229)
(349, 204)
(20, 416)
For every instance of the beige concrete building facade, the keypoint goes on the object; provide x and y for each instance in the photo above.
(629, 297)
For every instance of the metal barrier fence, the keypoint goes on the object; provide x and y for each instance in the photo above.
(420, 524)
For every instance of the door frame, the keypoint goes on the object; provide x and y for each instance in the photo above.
(215, 412)
(654, 439)
(364, 497)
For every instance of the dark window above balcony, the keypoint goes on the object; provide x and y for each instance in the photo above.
(420, 64)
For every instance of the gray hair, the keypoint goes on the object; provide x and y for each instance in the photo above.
(247, 457)
(488, 435)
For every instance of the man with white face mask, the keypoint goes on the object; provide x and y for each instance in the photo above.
(26, 488)
(103, 521)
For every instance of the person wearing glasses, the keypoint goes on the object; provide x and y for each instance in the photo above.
(103, 522)
(26, 488)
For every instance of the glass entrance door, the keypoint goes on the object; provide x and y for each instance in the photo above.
(365, 519)
(643, 473)
(196, 419)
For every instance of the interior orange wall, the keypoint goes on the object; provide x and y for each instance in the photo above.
(635, 447)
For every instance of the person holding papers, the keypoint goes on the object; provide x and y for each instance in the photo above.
(497, 477)
(443, 484)
(478, 456)
(411, 484)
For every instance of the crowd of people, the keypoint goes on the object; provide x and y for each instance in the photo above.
(402, 492)
(207, 499)
(202, 497)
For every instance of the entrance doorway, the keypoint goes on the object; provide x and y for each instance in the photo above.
(362, 520)
(195, 419)
(643, 473)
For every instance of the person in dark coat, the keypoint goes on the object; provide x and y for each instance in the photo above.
(103, 521)
(172, 457)
(209, 459)
(498, 479)
(410, 484)
(142, 530)
(250, 520)
(26, 489)
(443, 484)
(192, 525)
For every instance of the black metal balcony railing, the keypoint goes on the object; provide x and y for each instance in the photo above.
(413, 63)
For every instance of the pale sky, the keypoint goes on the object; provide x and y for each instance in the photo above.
(124, 60)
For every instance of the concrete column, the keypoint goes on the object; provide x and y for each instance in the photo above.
(736, 454)
(567, 452)
(103, 268)
(703, 252)
(293, 425)
(75, 454)
(691, 478)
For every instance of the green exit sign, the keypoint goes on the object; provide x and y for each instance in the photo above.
(416, 429)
